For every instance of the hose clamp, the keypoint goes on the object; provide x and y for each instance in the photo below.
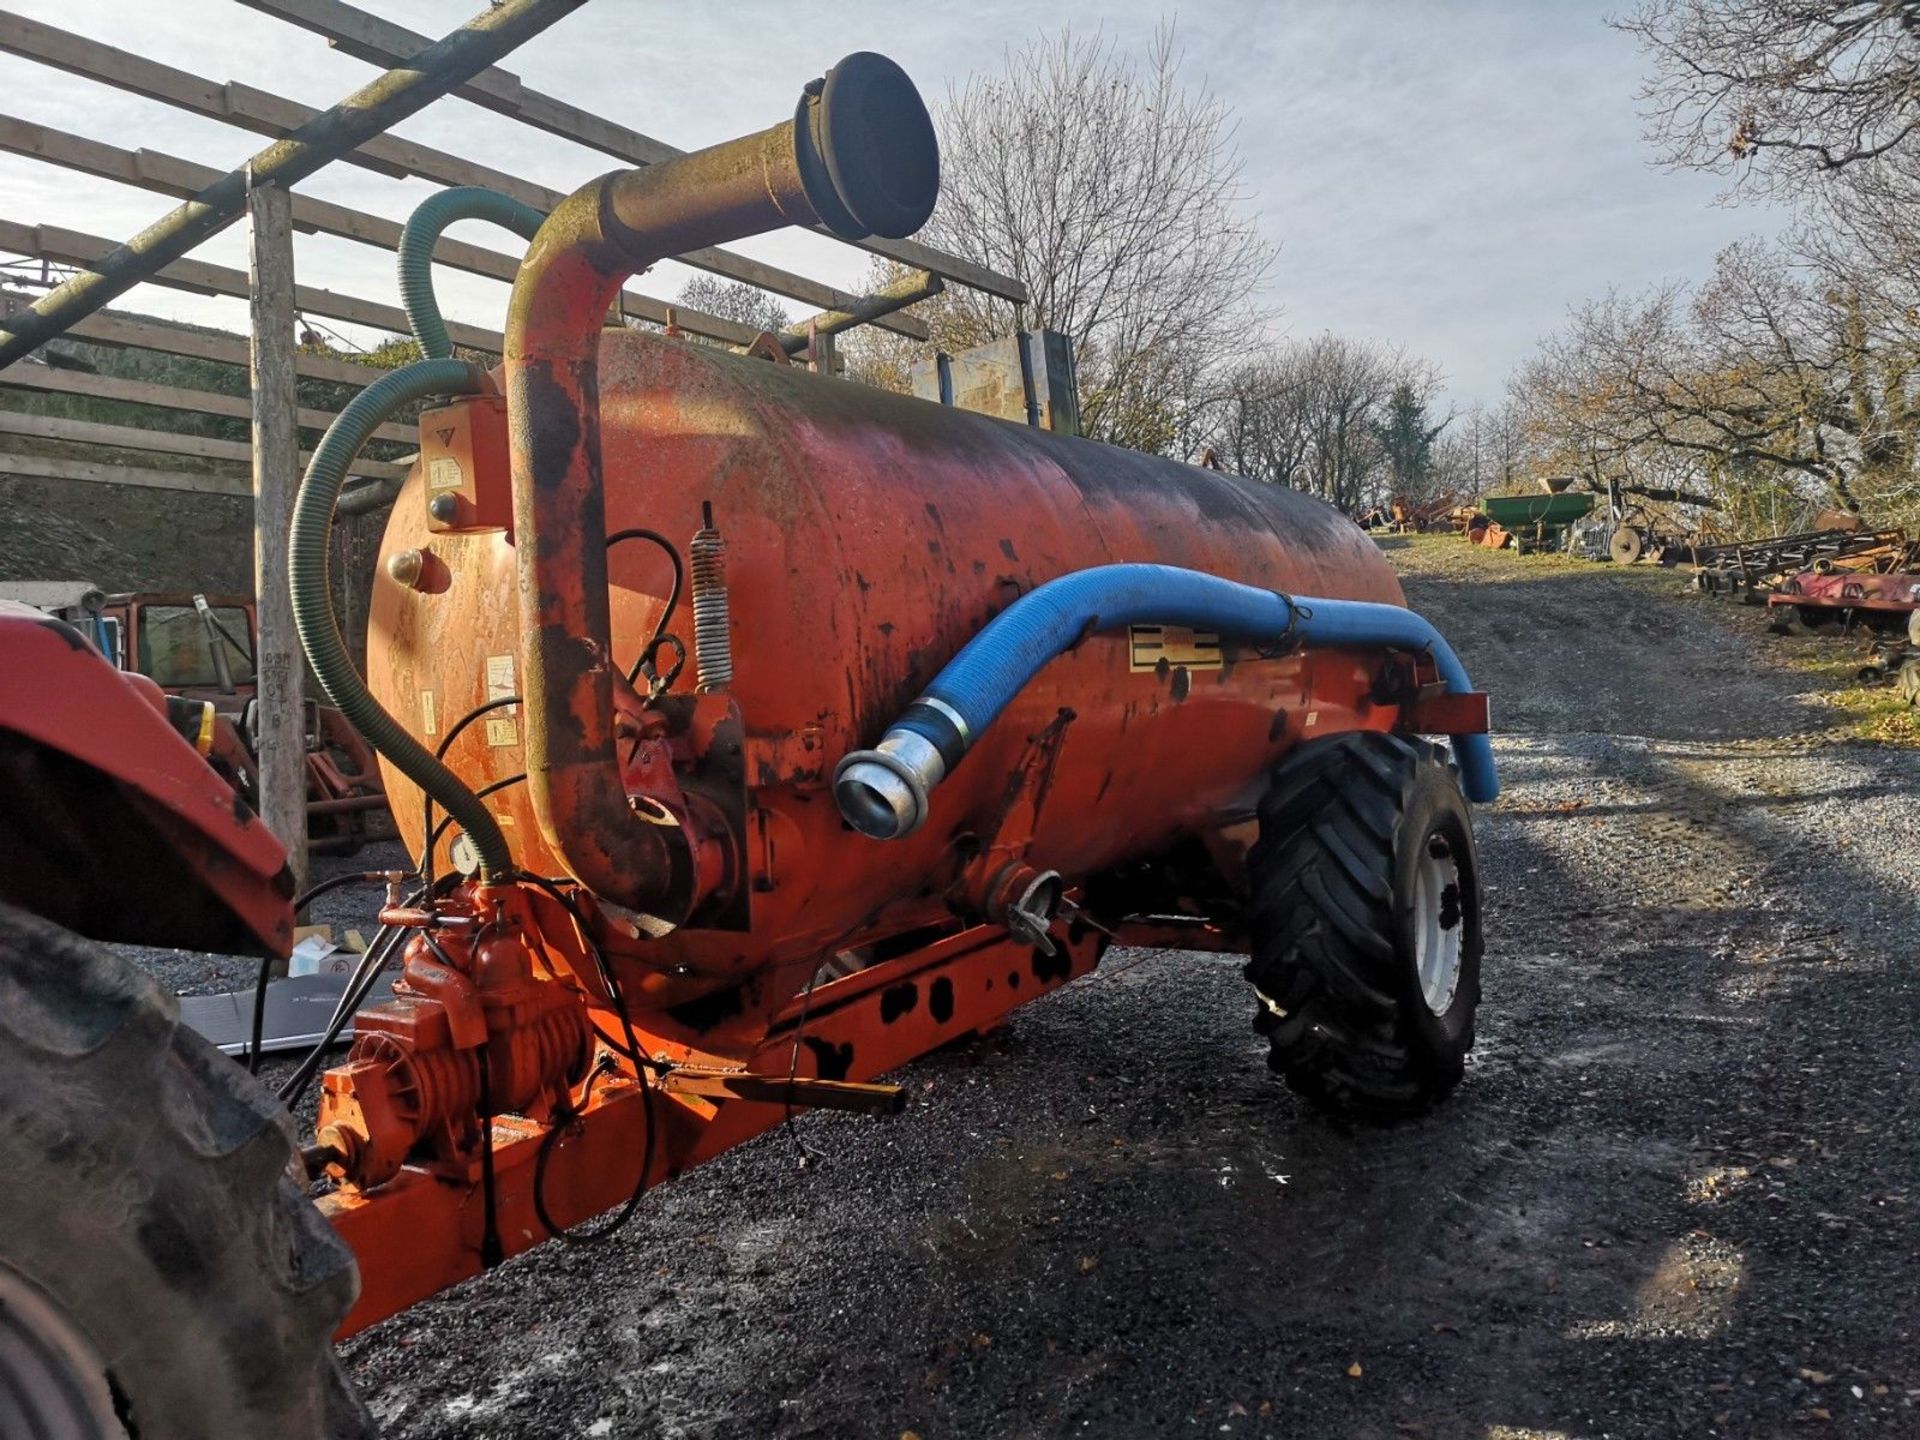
(959, 720)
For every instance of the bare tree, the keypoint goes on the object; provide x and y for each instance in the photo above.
(1780, 92)
(1311, 414)
(1350, 385)
(1485, 452)
(735, 300)
(1762, 379)
(1261, 429)
(1112, 188)
(1791, 373)
(1818, 102)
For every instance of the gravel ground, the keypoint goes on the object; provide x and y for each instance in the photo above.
(1678, 1194)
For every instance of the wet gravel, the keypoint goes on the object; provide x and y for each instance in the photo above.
(1677, 1195)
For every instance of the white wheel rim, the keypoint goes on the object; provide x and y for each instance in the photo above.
(1438, 920)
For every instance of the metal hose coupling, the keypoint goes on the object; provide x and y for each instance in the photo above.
(883, 792)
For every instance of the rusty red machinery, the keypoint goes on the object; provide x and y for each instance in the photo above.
(759, 732)
(1833, 597)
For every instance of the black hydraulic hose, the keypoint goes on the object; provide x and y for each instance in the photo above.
(259, 1013)
(672, 553)
(327, 887)
(313, 613)
(364, 975)
(550, 1141)
(258, 1032)
(427, 827)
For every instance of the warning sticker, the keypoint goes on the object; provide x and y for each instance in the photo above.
(502, 733)
(1151, 645)
(500, 681)
(443, 473)
(429, 723)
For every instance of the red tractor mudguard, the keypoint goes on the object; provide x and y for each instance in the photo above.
(111, 823)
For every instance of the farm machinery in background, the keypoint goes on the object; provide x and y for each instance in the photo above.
(199, 650)
(756, 733)
(1837, 575)
(1630, 526)
(1402, 515)
(1833, 543)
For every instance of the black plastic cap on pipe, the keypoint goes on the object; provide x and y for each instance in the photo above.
(868, 155)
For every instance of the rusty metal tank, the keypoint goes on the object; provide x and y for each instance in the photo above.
(869, 536)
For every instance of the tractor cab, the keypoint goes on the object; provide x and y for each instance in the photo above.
(200, 648)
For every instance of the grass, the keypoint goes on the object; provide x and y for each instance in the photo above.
(1878, 714)
(1872, 712)
(1447, 552)
(1833, 662)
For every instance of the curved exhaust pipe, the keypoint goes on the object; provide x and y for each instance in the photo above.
(859, 157)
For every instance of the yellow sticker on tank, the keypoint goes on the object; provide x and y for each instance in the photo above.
(1150, 646)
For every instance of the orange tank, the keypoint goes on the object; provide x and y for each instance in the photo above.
(868, 537)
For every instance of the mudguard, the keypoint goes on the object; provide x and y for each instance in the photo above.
(111, 823)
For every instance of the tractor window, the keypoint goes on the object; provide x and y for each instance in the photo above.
(176, 650)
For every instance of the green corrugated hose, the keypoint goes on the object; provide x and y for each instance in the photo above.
(313, 599)
(423, 231)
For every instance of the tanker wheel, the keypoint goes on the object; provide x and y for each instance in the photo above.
(1366, 928)
(161, 1274)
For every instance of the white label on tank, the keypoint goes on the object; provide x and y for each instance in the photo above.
(500, 681)
(443, 473)
(428, 724)
(1150, 646)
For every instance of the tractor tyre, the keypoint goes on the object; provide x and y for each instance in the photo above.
(1366, 925)
(1626, 545)
(162, 1274)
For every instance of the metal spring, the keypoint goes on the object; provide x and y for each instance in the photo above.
(712, 625)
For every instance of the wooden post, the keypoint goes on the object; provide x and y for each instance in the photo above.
(281, 671)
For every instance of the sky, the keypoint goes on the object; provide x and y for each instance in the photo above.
(1451, 175)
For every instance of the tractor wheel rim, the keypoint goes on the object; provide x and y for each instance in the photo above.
(53, 1382)
(1437, 924)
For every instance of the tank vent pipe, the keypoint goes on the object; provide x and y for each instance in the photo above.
(712, 624)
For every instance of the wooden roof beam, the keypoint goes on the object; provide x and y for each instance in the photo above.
(267, 114)
(381, 42)
(170, 175)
